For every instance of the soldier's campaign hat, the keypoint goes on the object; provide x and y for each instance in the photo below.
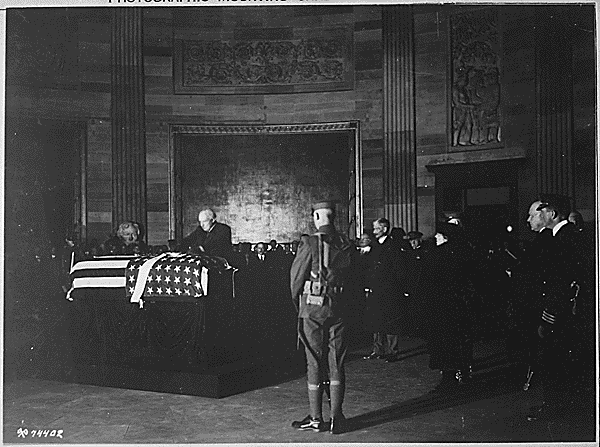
(414, 235)
(324, 204)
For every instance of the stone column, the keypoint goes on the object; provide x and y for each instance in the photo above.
(554, 103)
(400, 160)
(128, 117)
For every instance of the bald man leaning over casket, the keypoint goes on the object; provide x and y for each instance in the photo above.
(211, 237)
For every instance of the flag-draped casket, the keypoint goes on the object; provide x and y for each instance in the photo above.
(172, 309)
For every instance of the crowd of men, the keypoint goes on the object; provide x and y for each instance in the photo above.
(436, 289)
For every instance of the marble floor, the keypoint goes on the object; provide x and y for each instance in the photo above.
(385, 402)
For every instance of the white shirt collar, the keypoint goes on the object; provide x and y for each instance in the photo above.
(382, 238)
(558, 226)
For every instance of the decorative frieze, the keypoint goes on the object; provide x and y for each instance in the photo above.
(319, 63)
(267, 129)
(475, 79)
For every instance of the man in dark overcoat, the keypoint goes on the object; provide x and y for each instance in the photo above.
(414, 257)
(387, 303)
(445, 289)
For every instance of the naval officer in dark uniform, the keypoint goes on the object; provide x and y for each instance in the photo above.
(317, 278)
(560, 286)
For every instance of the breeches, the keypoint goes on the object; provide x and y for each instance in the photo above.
(326, 350)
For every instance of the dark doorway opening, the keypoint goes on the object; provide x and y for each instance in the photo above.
(483, 195)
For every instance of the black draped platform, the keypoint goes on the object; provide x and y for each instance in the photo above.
(213, 346)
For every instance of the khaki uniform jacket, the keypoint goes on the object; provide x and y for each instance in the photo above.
(341, 256)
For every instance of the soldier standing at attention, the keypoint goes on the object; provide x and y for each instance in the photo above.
(317, 278)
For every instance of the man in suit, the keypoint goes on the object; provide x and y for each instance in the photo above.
(385, 307)
(211, 237)
(318, 282)
(260, 264)
(260, 254)
(561, 280)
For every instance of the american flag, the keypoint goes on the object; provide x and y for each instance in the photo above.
(165, 275)
(99, 273)
(169, 274)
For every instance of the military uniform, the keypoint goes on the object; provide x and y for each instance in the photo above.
(527, 280)
(557, 322)
(321, 324)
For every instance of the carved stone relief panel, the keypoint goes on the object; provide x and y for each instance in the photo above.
(318, 63)
(475, 80)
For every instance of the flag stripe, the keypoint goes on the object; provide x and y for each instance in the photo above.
(98, 281)
(100, 264)
(99, 272)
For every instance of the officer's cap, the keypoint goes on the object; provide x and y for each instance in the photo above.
(324, 204)
(414, 235)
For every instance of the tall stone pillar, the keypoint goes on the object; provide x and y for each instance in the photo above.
(400, 159)
(128, 117)
(554, 103)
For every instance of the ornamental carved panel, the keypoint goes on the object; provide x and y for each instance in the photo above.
(318, 63)
(475, 82)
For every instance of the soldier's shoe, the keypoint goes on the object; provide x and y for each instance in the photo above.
(338, 424)
(310, 423)
(297, 424)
